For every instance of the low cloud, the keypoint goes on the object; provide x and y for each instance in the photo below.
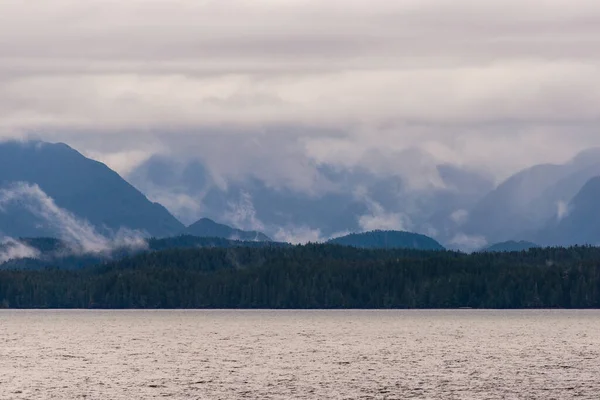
(298, 235)
(12, 249)
(468, 243)
(185, 207)
(242, 214)
(563, 209)
(378, 217)
(79, 234)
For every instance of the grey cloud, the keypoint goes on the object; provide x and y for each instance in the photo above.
(271, 90)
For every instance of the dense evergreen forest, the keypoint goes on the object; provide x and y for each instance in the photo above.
(316, 276)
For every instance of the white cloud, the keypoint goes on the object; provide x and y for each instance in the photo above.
(121, 161)
(78, 233)
(379, 218)
(185, 207)
(298, 235)
(562, 210)
(468, 242)
(242, 214)
(12, 249)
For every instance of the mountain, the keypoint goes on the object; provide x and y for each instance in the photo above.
(526, 201)
(581, 222)
(42, 184)
(511, 245)
(503, 213)
(339, 199)
(552, 202)
(388, 240)
(208, 228)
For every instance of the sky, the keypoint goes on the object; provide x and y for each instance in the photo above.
(274, 88)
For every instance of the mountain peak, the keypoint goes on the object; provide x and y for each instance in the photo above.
(85, 188)
(388, 239)
(587, 157)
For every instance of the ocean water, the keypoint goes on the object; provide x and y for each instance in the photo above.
(460, 354)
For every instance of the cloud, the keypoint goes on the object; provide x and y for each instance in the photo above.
(479, 83)
(79, 234)
(562, 210)
(459, 216)
(12, 249)
(468, 242)
(185, 207)
(242, 214)
(121, 161)
(379, 218)
(298, 235)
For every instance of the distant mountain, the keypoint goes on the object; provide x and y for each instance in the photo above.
(526, 201)
(511, 245)
(208, 228)
(551, 203)
(503, 213)
(581, 222)
(388, 240)
(340, 199)
(85, 188)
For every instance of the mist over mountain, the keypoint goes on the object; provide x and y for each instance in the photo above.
(526, 202)
(580, 223)
(208, 228)
(40, 253)
(343, 199)
(52, 190)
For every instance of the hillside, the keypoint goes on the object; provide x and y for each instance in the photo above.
(525, 202)
(33, 174)
(581, 224)
(388, 240)
(505, 212)
(511, 245)
(208, 228)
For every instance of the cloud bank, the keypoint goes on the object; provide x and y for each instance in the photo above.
(499, 83)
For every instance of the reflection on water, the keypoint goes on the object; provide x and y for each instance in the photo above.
(464, 354)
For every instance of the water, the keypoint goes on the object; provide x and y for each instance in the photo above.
(462, 354)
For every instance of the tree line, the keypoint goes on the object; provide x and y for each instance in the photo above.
(315, 276)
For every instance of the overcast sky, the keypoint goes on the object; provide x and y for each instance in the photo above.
(276, 85)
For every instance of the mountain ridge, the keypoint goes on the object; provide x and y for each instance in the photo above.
(388, 239)
(206, 227)
(86, 188)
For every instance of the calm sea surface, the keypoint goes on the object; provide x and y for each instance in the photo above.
(462, 354)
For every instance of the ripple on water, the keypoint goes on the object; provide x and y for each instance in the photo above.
(464, 354)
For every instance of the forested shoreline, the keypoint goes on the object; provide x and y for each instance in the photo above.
(315, 276)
